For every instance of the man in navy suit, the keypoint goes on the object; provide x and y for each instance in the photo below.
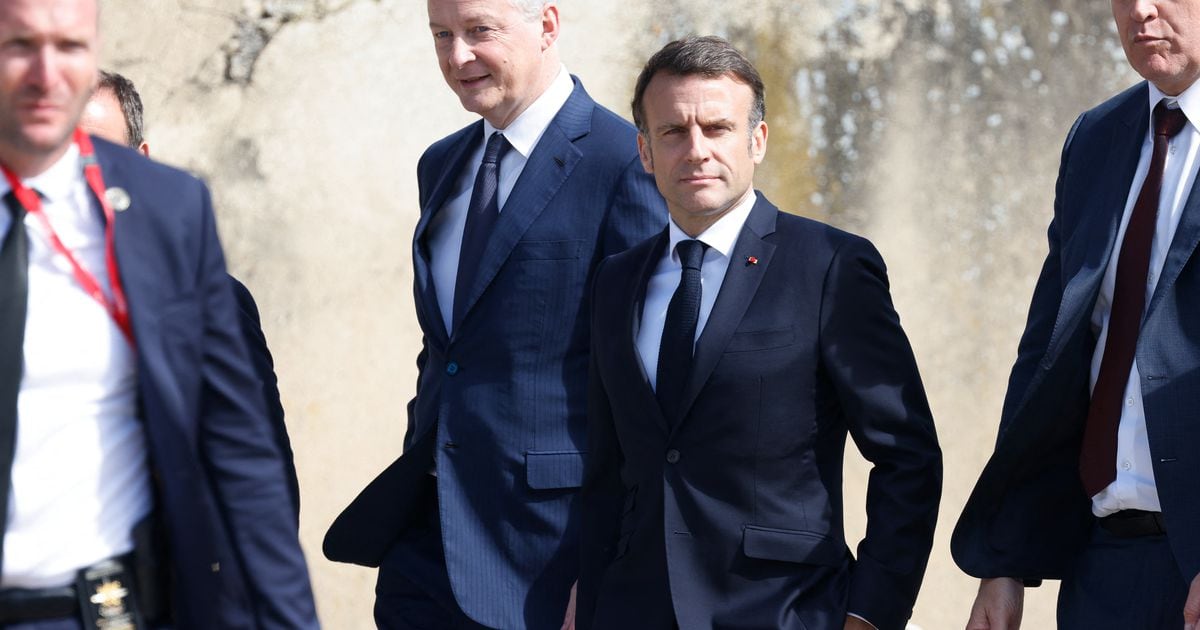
(1094, 476)
(731, 356)
(114, 113)
(476, 524)
(141, 481)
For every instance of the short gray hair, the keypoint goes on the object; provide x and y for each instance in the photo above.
(531, 9)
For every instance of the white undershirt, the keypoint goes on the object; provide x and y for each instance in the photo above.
(1134, 486)
(446, 227)
(720, 238)
(80, 480)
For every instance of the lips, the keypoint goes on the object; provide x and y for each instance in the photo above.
(471, 82)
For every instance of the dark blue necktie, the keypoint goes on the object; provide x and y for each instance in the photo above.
(481, 218)
(14, 262)
(679, 332)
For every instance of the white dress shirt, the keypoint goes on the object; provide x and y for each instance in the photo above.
(79, 478)
(720, 238)
(446, 227)
(1134, 486)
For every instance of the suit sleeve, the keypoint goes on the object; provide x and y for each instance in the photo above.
(264, 367)
(1043, 308)
(243, 461)
(601, 495)
(636, 212)
(867, 357)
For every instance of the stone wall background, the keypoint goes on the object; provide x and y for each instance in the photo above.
(931, 126)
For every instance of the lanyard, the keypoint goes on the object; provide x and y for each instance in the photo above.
(116, 306)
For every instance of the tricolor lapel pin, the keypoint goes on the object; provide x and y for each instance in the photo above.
(118, 198)
(751, 260)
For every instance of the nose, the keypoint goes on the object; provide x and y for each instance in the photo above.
(1143, 10)
(460, 53)
(42, 66)
(697, 149)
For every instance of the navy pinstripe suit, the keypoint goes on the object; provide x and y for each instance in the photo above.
(500, 408)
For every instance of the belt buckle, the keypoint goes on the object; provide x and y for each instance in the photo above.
(106, 597)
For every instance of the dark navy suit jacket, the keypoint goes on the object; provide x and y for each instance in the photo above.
(221, 492)
(1029, 516)
(501, 403)
(730, 515)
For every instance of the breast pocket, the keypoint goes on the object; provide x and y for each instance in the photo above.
(753, 340)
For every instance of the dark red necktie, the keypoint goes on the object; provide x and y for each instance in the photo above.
(1098, 455)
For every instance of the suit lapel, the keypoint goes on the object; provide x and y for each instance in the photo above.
(1187, 236)
(1097, 235)
(422, 272)
(130, 243)
(629, 354)
(741, 282)
(552, 161)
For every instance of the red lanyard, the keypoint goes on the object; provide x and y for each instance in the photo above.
(117, 307)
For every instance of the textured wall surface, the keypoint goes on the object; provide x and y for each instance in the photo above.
(931, 126)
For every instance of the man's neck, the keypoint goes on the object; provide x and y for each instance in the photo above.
(26, 164)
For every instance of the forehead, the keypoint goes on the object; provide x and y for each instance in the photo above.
(67, 17)
(697, 95)
(446, 11)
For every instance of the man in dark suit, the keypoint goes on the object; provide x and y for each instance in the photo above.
(141, 482)
(731, 355)
(1094, 476)
(476, 524)
(115, 113)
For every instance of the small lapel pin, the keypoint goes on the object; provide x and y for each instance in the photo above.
(751, 260)
(118, 198)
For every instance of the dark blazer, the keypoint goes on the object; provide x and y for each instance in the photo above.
(501, 404)
(730, 515)
(221, 493)
(1029, 516)
(264, 368)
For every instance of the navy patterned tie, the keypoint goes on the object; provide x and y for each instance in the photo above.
(1098, 453)
(14, 263)
(679, 332)
(481, 218)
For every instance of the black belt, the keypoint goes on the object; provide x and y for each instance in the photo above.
(106, 588)
(32, 604)
(1134, 524)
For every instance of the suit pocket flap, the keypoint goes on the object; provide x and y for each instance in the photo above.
(790, 545)
(547, 250)
(546, 470)
(760, 340)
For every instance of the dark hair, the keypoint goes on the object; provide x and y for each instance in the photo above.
(708, 56)
(131, 104)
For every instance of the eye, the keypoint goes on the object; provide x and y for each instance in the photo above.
(481, 30)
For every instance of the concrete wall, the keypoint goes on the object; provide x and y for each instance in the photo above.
(931, 126)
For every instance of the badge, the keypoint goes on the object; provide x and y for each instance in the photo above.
(118, 198)
(106, 598)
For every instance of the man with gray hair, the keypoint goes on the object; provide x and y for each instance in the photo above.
(476, 524)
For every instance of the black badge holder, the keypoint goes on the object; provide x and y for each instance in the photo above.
(106, 597)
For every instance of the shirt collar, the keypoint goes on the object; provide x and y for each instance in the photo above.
(524, 132)
(1189, 102)
(57, 182)
(720, 236)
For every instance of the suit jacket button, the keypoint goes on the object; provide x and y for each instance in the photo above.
(672, 456)
(452, 368)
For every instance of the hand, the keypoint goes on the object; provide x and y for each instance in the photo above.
(998, 605)
(854, 623)
(1191, 608)
(569, 618)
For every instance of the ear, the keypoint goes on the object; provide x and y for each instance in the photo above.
(758, 142)
(645, 154)
(550, 26)
(144, 147)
